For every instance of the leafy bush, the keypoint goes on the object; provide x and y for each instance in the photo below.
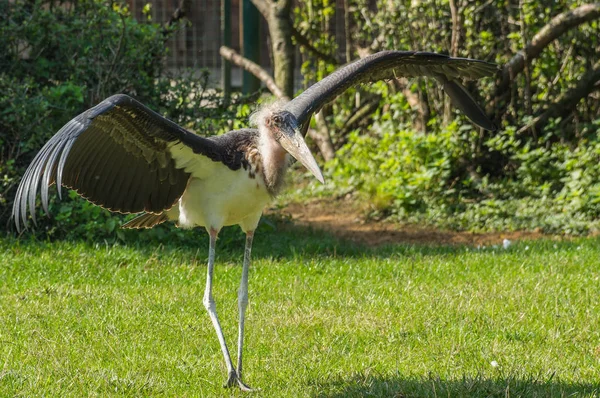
(59, 59)
(416, 177)
(62, 58)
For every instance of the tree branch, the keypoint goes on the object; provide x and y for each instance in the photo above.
(180, 12)
(304, 42)
(283, 6)
(264, 76)
(567, 102)
(361, 114)
(551, 31)
(454, 43)
(321, 137)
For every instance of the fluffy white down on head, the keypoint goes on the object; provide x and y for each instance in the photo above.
(257, 118)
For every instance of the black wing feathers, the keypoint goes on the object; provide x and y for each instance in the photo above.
(463, 100)
(146, 220)
(115, 155)
(390, 64)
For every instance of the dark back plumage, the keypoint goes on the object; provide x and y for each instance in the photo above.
(234, 148)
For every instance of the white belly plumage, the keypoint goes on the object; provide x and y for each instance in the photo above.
(217, 196)
(227, 198)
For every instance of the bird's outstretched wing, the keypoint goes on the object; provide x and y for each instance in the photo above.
(116, 155)
(390, 64)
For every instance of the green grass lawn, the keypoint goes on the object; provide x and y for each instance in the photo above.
(326, 318)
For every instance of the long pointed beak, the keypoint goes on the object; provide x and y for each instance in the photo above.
(295, 146)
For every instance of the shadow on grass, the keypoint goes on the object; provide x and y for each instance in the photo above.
(276, 238)
(280, 239)
(529, 386)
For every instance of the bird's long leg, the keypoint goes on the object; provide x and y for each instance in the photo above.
(209, 303)
(243, 299)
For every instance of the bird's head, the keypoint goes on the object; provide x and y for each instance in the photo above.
(283, 128)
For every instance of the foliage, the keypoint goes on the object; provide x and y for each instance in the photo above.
(64, 58)
(454, 176)
(417, 177)
(400, 171)
(314, 22)
(60, 58)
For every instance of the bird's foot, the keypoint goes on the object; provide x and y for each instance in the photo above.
(235, 380)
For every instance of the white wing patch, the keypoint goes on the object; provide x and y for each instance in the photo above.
(199, 166)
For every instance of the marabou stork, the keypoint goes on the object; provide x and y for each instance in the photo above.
(124, 157)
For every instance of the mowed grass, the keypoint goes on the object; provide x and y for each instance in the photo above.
(326, 319)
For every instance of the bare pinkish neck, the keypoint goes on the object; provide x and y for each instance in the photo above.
(275, 159)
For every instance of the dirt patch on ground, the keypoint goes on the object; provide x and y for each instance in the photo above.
(344, 220)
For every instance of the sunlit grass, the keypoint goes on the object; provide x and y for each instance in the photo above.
(326, 318)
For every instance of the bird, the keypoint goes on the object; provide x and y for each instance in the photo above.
(126, 158)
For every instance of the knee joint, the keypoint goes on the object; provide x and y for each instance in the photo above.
(243, 299)
(209, 303)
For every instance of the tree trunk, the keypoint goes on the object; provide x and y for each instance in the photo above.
(279, 20)
(322, 138)
(283, 53)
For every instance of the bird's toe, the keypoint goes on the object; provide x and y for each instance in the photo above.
(234, 380)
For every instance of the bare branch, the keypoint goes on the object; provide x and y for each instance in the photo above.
(321, 137)
(361, 114)
(304, 42)
(264, 76)
(180, 12)
(551, 31)
(567, 102)
(455, 28)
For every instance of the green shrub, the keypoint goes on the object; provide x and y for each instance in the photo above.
(417, 178)
(61, 58)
